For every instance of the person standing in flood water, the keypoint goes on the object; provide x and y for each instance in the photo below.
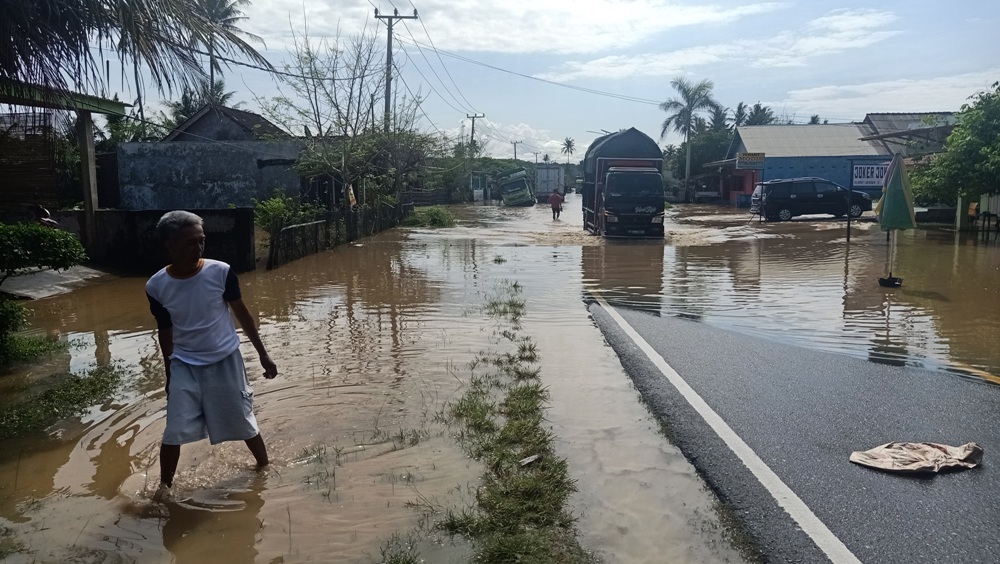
(208, 393)
(556, 201)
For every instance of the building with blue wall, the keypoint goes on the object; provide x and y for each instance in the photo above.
(835, 152)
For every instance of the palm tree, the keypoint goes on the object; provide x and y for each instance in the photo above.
(740, 115)
(224, 14)
(693, 99)
(63, 43)
(568, 147)
(718, 119)
(192, 101)
(759, 115)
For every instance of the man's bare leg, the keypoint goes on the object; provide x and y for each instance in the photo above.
(259, 451)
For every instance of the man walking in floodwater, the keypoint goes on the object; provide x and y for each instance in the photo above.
(556, 201)
(208, 394)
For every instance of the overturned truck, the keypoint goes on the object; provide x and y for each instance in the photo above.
(623, 186)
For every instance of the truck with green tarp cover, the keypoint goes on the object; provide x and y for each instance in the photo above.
(623, 186)
(515, 188)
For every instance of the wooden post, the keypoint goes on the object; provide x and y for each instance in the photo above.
(88, 178)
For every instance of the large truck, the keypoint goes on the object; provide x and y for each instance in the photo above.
(623, 186)
(548, 177)
(515, 188)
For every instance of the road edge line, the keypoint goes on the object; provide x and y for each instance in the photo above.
(797, 509)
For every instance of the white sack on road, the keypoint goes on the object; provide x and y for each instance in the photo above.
(919, 457)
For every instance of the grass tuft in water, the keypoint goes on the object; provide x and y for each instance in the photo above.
(430, 216)
(397, 550)
(71, 395)
(520, 512)
(9, 545)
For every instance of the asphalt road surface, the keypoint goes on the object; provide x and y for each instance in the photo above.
(794, 416)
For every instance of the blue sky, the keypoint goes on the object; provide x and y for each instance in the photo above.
(836, 59)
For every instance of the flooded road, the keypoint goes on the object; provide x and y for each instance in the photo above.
(373, 339)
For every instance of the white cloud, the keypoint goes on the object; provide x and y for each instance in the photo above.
(497, 138)
(945, 93)
(654, 64)
(499, 26)
(836, 32)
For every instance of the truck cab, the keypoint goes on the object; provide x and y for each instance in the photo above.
(633, 202)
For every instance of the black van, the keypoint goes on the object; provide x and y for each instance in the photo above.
(786, 198)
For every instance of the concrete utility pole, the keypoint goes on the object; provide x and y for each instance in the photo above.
(472, 138)
(514, 143)
(536, 153)
(388, 57)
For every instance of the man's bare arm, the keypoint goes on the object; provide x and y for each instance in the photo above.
(166, 338)
(246, 320)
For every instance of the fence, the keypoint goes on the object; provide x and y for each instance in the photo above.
(296, 241)
(430, 197)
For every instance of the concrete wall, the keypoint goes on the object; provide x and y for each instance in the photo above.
(156, 176)
(127, 239)
(834, 169)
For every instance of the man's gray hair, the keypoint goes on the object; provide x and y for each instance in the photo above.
(174, 222)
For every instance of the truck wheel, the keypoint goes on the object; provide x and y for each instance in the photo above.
(856, 210)
(784, 214)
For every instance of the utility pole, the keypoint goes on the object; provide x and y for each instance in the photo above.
(536, 153)
(472, 138)
(514, 143)
(388, 57)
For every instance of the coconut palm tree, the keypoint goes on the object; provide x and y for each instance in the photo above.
(760, 115)
(693, 98)
(225, 15)
(568, 147)
(740, 115)
(193, 100)
(718, 119)
(64, 43)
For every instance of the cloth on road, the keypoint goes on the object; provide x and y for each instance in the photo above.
(919, 457)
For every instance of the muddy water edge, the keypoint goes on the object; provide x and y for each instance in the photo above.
(373, 339)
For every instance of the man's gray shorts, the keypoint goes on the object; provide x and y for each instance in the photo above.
(214, 401)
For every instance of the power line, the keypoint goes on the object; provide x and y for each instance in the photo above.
(545, 81)
(467, 108)
(429, 85)
(420, 106)
(440, 60)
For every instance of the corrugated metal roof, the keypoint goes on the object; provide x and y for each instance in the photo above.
(833, 140)
(885, 122)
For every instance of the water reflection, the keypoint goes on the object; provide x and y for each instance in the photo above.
(238, 528)
(628, 274)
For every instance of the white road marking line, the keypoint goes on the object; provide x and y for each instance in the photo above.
(824, 538)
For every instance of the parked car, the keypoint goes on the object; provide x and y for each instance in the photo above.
(788, 197)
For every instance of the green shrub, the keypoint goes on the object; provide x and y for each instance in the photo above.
(13, 317)
(281, 210)
(24, 246)
(430, 216)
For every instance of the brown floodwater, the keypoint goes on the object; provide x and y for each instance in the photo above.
(373, 339)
